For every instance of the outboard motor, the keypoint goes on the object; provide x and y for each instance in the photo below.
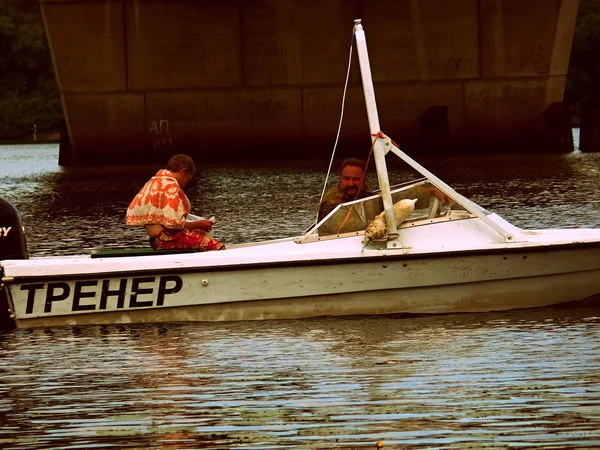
(12, 234)
(12, 246)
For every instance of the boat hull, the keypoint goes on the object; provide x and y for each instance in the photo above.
(427, 284)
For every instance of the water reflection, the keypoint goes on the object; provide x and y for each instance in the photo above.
(453, 381)
(518, 379)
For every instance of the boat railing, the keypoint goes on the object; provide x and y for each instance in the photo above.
(428, 212)
(469, 205)
(382, 145)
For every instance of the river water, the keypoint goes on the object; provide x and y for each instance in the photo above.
(521, 379)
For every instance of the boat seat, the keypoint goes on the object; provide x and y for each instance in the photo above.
(140, 251)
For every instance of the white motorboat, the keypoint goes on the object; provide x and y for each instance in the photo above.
(441, 259)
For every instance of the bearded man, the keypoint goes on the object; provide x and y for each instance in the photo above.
(352, 186)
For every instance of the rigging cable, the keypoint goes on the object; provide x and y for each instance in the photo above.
(340, 124)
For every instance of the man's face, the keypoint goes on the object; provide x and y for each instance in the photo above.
(350, 178)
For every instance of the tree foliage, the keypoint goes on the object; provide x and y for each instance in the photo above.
(583, 79)
(28, 90)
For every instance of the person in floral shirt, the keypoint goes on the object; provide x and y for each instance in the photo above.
(162, 208)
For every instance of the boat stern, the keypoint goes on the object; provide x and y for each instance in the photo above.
(12, 246)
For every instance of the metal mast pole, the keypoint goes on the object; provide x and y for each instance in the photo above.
(378, 148)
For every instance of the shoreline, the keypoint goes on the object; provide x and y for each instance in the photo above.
(45, 138)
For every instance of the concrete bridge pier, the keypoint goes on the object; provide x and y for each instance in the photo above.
(258, 79)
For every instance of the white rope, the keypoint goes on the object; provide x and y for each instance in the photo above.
(340, 124)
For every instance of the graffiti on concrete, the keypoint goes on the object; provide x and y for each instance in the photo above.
(161, 136)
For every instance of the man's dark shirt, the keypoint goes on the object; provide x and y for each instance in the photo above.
(358, 218)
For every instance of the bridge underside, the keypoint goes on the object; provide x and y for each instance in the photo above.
(144, 79)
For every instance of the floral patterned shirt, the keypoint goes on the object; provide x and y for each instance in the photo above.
(161, 201)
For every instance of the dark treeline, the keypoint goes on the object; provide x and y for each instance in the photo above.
(28, 90)
(584, 68)
(29, 95)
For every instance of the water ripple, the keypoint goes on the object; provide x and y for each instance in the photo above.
(521, 379)
(518, 379)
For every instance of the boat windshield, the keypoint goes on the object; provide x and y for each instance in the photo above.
(353, 217)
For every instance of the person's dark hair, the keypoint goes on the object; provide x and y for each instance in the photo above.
(352, 162)
(178, 162)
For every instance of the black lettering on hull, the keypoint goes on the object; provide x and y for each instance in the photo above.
(164, 290)
(107, 292)
(79, 294)
(56, 292)
(137, 290)
(94, 295)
